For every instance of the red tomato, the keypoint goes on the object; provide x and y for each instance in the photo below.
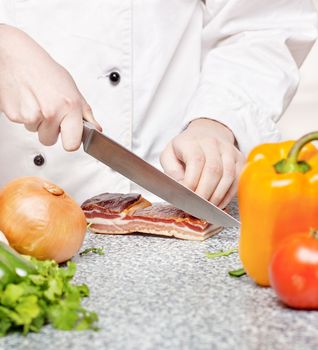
(294, 271)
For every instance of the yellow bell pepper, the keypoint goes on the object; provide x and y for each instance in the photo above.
(278, 196)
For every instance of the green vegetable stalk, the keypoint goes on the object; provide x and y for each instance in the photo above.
(6, 275)
(20, 266)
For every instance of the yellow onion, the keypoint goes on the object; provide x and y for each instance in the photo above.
(39, 219)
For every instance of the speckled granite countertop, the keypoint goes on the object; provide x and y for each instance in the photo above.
(161, 293)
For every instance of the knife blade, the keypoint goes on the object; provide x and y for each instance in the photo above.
(147, 176)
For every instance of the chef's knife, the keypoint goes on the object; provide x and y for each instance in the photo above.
(155, 181)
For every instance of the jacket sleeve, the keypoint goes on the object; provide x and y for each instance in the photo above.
(251, 54)
(6, 12)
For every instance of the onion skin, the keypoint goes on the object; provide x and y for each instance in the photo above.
(39, 219)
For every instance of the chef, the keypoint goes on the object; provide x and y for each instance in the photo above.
(193, 84)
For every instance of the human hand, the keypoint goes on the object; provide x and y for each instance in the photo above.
(204, 158)
(39, 93)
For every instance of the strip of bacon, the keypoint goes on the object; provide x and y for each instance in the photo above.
(113, 205)
(114, 213)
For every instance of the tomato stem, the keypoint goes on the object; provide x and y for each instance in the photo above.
(291, 164)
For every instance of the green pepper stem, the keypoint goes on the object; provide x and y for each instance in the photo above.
(299, 144)
(291, 163)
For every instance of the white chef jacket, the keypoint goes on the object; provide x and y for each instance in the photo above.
(229, 60)
(301, 115)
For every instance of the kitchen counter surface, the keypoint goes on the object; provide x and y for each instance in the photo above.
(162, 293)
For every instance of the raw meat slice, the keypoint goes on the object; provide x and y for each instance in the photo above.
(112, 205)
(128, 213)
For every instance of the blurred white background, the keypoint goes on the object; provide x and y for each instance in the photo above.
(302, 114)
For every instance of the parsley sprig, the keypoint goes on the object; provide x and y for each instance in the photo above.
(46, 296)
(212, 255)
(99, 251)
